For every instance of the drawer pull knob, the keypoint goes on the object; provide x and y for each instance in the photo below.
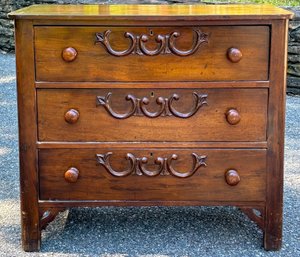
(232, 177)
(137, 166)
(166, 44)
(233, 117)
(72, 116)
(234, 55)
(69, 54)
(138, 106)
(71, 175)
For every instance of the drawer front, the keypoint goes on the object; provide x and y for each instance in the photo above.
(152, 174)
(152, 114)
(97, 53)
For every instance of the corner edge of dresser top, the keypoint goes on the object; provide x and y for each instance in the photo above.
(135, 11)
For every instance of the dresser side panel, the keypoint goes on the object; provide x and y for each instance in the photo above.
(276, 123)
(27, 135)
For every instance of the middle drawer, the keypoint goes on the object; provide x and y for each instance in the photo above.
(152, 114)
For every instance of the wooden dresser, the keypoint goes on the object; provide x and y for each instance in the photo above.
(131, 105)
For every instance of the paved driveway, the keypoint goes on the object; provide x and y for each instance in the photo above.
(151, 231)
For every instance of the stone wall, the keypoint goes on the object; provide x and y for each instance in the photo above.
(293, 78)
(7, 41)
(6, 6)
(6, 25)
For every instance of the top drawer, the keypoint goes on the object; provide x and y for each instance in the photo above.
(96, 53)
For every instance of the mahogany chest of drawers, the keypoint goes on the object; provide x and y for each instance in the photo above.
(132, 105)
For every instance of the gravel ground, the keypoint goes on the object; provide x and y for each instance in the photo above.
(146, 231)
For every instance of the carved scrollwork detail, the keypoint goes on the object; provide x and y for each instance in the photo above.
(161, 40)
(104, 160)
(200, 100)
(104, 39)
(138, 106)
(198, 39)
(47, 215)
(198, 161)
(255, 214)
(141, 169)
(161, 112)
(138, 166)
(166, 43)
(105, 101)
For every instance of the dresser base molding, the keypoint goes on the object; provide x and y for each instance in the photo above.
(70, 204)
(168, 85)
(221, 145)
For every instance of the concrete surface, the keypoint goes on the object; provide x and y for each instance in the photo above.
(144, 232)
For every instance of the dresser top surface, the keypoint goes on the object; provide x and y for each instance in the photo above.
(150, 12)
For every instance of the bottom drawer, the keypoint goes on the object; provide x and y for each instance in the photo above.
(152, 174)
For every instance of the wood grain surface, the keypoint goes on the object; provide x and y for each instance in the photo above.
(94, 63)
(122, 105)
(96, 124)
(276, 128)
(27, 119)
(207, 183)
(152, 12)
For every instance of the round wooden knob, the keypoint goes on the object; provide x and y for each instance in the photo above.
(69, 54)
(71, 175)
(234, 54)
(232, 177)
(233, 117)
(71, 116)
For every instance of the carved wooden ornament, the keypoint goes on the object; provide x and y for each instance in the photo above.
(138, 107)
(138, 165)
(166, 43)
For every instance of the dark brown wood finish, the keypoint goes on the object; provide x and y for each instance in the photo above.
(48, 214)
(148, 23)
(96, 123)
(206, 183)
(276, 124)
(233, 117)
(232, 177)
(71, 175)
(69, 54)
(234, 54)
(94, 63)
(166, 43)
(78, 145)
(256, 214)
(72, 116)
(27, 136)
(167, 85)
(151, 105)
(120, 203)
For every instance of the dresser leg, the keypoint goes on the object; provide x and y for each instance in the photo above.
(31, 245)
(28, 153)
(273, 230)
(272, 242)
(275, 136)
(31, 234)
